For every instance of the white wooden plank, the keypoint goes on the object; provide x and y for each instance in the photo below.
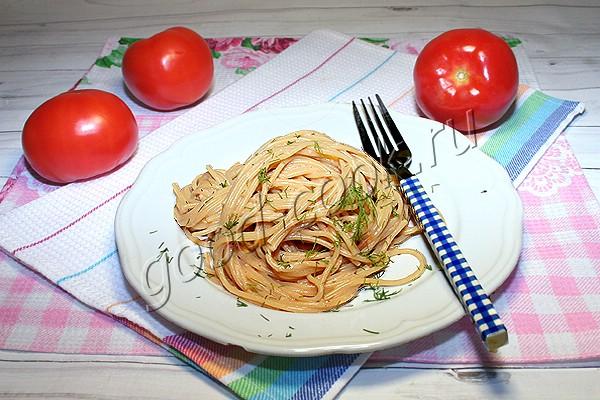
(104, 379)
(37, 376)
(81, 48)
(50, 57)
(10, 140)
(22, 91)
(8, 159)
(563, 46)
(591, 98)
(27, 84)
(476, 384)
(300, 20)
(593, 178)
(10, 152)
(573, 73)
(79, 55)
(11, 120)
(41, 11)
(585, 142)
(25, 356)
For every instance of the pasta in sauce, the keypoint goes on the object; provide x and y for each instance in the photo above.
(300, 226)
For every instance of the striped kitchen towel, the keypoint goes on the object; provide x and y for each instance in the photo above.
(72, 248)
(523, 138)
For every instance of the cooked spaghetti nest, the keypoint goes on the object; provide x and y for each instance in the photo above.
(300, 226)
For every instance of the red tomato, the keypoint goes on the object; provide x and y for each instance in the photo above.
(169, 70)
(462, 70)
(79, 134)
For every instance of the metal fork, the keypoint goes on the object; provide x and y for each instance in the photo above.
(397, 159)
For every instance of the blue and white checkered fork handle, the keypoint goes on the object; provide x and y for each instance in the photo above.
(460, 275)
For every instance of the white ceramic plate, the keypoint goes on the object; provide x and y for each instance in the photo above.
(472, 191)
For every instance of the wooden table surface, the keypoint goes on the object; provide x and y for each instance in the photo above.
(45, 46)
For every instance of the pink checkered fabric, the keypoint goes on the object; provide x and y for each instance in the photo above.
(551, 303)
(38, 316)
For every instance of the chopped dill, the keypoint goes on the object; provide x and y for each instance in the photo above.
(265, 318)
(338, 240)
(240, 303)
(360, 225)
(339, 306)
(350, 197)
(379, 274)
(233, 221)
(336, 221)
(387, 204)
(379, 260)
(224, 184)
(381, 195)
(290, 142)
(429, 267)
(152, 232)
(370, 331)
(317, 147)
(161, 245)
(348, 226)
(289, 334)
(291, 327)
(262, 175)
(355, 197)
(308, 254)
(380, 294)
(283, 264)
(267, 201)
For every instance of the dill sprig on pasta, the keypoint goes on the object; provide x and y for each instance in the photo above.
(300, 226)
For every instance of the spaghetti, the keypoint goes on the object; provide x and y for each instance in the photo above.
(301, 226)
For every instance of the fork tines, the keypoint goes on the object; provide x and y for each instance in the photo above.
(380, 134)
